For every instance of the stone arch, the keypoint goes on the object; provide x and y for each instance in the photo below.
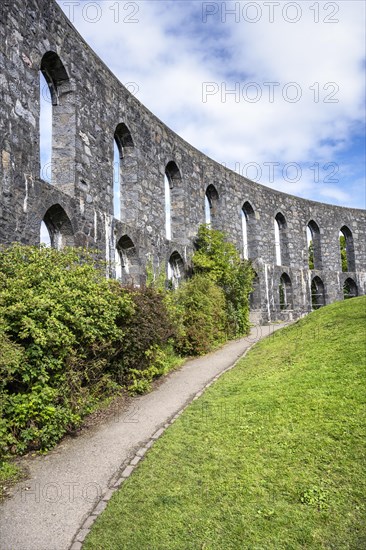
(127, 262)
(60, 130)
(175, 269)
(285, 292)
(281, 240)
(123, 147)
(59, 227)
(123, 138)
(173, 174)
(248, 231)
(347, 249)
(317, 293)
(55, 74)
(211, 204)
(314, 246)
(174, 201)
(350, 289)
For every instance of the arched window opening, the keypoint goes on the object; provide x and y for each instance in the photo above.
(281, 243)
(123, 146)
(207, 210)
(171, 185)
(349, 289)
(57, 122)
(116, 181)
(59, 228)
(247, 221)
(277, 243)
(175, 269)
(254, 296)
(244, 226)
(211, 204)
(314, 248)
(45, 237)
(45, 129)
(285, 292)
(347, 251)
(127, 265)
(168, 209)
(317, 293)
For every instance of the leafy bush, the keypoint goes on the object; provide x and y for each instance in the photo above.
(57, 305)
(145, 333)
(220, 261)
(58, 316)
(202, 305)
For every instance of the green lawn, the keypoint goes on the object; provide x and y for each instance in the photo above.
(270, 457)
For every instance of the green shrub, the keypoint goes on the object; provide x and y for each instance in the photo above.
(57, 306)
(11, 357)
(145, 333)
(38, 418)
(202, 305)
(220, 261)
(61, 321)
(69, 337)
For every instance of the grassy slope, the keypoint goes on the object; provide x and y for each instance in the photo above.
(271, 457)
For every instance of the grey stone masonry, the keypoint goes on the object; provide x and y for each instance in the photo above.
(91, 110)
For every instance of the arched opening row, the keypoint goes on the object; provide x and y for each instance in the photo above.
(56, 231)
(57, 119)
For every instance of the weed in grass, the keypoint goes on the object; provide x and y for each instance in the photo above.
(316, 497)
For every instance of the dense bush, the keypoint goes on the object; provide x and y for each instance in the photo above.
(220, 261)
(146, 336)
(201, 304)
(58, 317)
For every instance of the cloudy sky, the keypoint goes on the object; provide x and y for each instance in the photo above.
(273, 90)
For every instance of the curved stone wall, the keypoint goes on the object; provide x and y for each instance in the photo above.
(91, 109)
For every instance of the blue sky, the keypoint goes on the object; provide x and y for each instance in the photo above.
(273, 90)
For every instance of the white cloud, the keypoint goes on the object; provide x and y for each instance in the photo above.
(170, 53)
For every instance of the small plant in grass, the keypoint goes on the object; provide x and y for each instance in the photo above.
(316, 497)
